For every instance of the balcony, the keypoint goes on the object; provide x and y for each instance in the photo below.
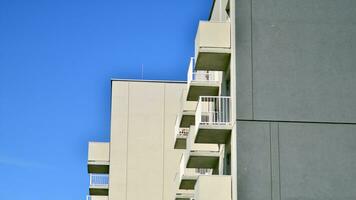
(187, 111)
(184, 196)
(202, 83)
(98, 157)
(213, 120)
(201, 155)
(89, 197)
(213, 187)
(187, 177)
(185, 118)
(99, 184)
(212, 46)
(180, 137)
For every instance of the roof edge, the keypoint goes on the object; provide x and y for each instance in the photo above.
(150, 81)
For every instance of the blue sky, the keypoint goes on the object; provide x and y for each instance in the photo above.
(56, 62)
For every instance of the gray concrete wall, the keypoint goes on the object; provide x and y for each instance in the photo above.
(143, 162)
(295, 60)
(296, 99)
(287, 161)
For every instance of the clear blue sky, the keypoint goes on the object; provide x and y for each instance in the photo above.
(56, 62)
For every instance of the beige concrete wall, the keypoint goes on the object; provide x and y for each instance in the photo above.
(98, 151)
(219, 11)
(143, 161)
(213, 188)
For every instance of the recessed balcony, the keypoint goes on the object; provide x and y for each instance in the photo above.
(187, 177)
(213, 120)
(98, 157)
(180, 137)
(202, 83)
(201, 155)
(93, 197)
(213, 46)
(213, 187)
(186, 111)
(99, 184)
(185, 118)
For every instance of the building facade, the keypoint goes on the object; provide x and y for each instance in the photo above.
(268, 112)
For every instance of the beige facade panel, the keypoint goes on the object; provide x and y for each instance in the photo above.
(213, 187)
(143, 161)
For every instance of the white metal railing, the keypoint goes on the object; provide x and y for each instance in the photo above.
(213, 110)
(201, 76)
(99, 179)
(97, 197)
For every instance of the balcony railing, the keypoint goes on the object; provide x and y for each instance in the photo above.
(213, 110)
(183, 171)
(97, 197)
(100, 180)
(201, 76)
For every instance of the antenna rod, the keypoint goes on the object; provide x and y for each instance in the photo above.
(142, 71)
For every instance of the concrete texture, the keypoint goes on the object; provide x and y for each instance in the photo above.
(287, 161)
(295, 60)
(143, 162)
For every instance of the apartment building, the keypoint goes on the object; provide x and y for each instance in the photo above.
(268, 112)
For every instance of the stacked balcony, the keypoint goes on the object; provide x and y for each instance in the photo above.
(213, 46)
(200, 155)
(202, 83)
(185, 118)
(212, 126)
(98, 169)
(187, 177)
(213, 120)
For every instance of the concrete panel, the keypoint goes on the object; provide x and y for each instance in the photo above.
(118, 140)
(253, 161)
(143, 119)
(145, 141)
(303, 60)
(171, 156)
(243, 60)
(213, 187)
(317, 161)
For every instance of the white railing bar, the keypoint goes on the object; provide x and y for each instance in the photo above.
(98, 179)
(213, 110)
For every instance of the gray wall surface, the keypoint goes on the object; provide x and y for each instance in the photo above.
(296, 60)
(296, 99)
(288, 161)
